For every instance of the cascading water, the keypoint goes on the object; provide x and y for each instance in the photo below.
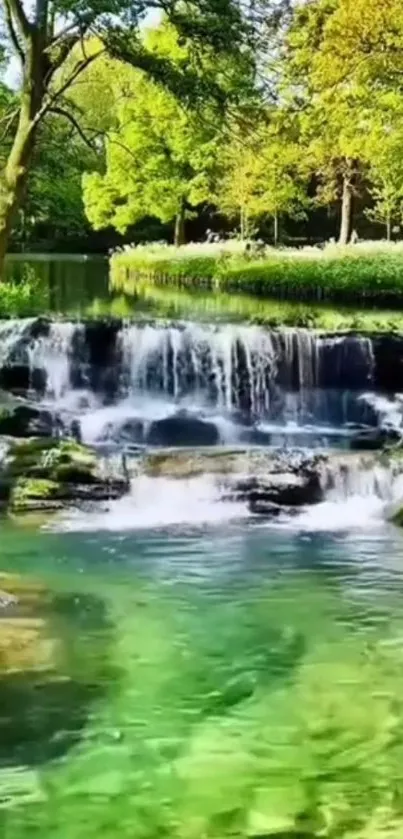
(253, 384)
(175, 384)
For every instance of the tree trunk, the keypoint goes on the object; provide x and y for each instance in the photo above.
(388, 227)
(346, 210)
(180, 234)
(14, 176)
(13, 184)
(275, 229)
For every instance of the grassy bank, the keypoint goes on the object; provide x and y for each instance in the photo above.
(368, 273)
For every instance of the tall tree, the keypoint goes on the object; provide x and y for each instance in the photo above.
(261, 175)
(45, 35)
(161, 158)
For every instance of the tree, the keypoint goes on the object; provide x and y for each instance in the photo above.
(261, 176)
(53, 206)
(160, 157)
(385, 164)
(46, 38)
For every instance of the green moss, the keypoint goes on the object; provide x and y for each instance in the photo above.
(27, 490)
(397, 517)
(49, 459)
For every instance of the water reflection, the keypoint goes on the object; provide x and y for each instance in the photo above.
(83, 285)
(53, 653)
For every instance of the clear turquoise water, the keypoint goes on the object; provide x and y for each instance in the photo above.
(209, 682)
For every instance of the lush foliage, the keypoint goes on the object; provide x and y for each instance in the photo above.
(23, 296)
(53, 42)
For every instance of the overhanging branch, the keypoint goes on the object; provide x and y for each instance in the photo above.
(54, 98)
(57, 109)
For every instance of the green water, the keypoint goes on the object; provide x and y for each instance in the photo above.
(230, 681)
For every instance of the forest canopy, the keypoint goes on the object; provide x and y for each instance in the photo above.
(277, 119)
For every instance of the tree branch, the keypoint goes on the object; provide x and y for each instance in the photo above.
(89, 141)
(53, 99)
(18, 15)
(57, 109)
(13, 35)
(41, 14)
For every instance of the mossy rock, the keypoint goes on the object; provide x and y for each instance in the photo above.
(52, 460)
(27, 491)
(47, 474)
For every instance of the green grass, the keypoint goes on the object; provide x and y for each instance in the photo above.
(369, 275)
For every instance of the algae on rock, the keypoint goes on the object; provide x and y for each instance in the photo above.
(47, 474)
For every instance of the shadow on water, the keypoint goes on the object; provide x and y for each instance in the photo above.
(53, 666)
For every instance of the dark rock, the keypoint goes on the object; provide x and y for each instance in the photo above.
(375, 438)
(287, 489)
(183, 430)
(271, 510)
(388, 355)
(26, 421)
(130, 431)
(19, 378)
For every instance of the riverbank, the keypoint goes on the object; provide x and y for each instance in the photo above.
(369, 273)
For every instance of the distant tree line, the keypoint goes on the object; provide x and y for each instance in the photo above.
(291, 129)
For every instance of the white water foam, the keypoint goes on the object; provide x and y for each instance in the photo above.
(11, 331)
(52, 353)
(158, 502)
(358, 500)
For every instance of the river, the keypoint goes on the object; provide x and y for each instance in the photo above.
(172, 665)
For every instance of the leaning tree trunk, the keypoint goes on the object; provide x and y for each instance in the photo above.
(346, 210)
(180, 234)
(13, 182)
(13, 178)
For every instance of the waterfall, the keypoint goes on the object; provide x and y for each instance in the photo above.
(53, 354)
(275, 381)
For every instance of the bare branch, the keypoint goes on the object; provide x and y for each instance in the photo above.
(8, 119)
(95, 132)
(55, 97)
(57, 109)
